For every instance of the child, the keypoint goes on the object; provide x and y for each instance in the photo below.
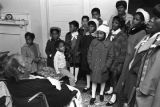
(50, 47)
(60, 62)
(96, 14)
(72, 41)
(100, 57)
(119, 42)
(31, 53)
(84, 28)
(84, 46)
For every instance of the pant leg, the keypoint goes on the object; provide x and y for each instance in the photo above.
(68, 74)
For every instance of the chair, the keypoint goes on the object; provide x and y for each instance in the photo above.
(37, 100)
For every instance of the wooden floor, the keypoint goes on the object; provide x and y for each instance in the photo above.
(87, 96)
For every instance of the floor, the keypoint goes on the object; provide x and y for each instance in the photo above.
(86, 96)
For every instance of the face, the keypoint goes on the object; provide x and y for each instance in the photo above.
(92, 28)
(85, 22)
(72, 28)
(100, 35)
(115, 25)
(136, 20)
(154, 25)
(95, 15)
(54, 34)
(29, 40)
(121, 10)
(61, 47)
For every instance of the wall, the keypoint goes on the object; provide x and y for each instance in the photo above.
(33, 8)
(47, 13)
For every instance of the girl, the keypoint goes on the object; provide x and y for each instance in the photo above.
(60, 62)
(72, 40)
(100, 56)
(31, 53)
(136, 33)
(119, 42)
(84, 46)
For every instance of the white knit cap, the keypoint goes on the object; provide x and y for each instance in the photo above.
(145, 14)
(95, 21)
(104, 28)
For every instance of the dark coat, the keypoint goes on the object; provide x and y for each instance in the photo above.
(83, 47)
(28, 88)
(120, 50)
(50, 51)
(72, 49)
(100, 57)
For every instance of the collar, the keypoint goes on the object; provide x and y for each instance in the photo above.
(116, 32)
(74, 35)
(147, 43)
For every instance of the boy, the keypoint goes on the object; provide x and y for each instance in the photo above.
(50, 47)
(96, 14)
(60, 62)
(84, 28)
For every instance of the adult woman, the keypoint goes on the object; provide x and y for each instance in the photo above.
(21, 86)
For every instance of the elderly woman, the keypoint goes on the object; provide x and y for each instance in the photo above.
(21, 85)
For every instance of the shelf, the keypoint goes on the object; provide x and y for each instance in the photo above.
(14, 22)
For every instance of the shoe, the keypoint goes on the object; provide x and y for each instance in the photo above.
(86, 89)
(110, 91)
(101, 97)
(92, 101)
(112, 100)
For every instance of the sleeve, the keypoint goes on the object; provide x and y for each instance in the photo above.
(39, 53)
(89, 55)
(110, 56)
(48, 49)
(56, 63)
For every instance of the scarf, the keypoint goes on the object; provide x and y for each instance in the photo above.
(136, 29)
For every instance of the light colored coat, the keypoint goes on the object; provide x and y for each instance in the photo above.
(29, 56)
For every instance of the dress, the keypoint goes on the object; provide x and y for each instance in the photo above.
(84, 46)
(100, 57)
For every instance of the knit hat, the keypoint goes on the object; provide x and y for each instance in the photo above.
(145, 14)
(156, 10)
(95, 21)
(104, 28)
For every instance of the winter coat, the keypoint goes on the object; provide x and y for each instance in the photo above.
(148, 91)
(100, 57)
(120, 49)
(72, 49)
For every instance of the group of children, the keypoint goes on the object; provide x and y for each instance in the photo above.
(102, 51)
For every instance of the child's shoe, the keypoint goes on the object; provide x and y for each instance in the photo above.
(92, 101)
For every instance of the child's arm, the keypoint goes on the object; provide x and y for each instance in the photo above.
(56, 63)
(110, 57)
(89, 55)
(48, 49)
